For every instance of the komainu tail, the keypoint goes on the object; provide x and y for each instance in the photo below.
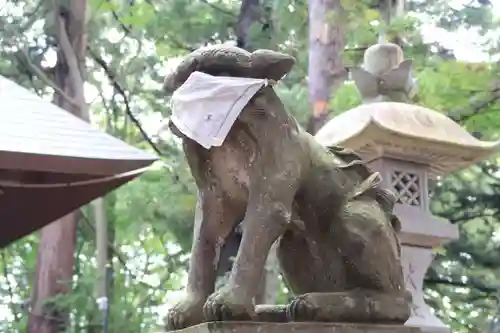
(371, 182)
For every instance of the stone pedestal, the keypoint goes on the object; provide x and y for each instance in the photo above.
(264, 327)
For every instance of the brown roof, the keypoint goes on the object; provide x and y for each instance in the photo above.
(24, 208)
(38, 135)
(52, 162)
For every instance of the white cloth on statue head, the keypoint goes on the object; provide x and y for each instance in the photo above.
(205, 107)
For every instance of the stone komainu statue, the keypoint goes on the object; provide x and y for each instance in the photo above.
(336, 232)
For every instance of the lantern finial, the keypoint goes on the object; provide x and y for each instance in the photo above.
(385, 75)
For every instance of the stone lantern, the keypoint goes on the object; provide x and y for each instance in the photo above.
(410, 146)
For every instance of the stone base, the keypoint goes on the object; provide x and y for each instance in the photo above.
(296, 327)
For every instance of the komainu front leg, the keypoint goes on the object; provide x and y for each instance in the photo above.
(213, 221)
(267, 217)
(374, 290)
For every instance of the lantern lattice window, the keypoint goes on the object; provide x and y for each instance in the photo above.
(407, 187)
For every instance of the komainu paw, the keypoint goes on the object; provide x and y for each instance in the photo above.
(187, 312)
(301, 309)
(226, 304)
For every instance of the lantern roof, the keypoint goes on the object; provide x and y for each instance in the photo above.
(407, 132)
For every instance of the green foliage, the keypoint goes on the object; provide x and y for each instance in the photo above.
(456, 83)
(130, 45)
(466, 200)
(346, 97)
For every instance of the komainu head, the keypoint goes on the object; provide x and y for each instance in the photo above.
(224, 60)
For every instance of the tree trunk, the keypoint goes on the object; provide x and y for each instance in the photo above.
(110, 273)
(390, 10)
(55, 257)
(101, 234)
(326, 69)
(254, 26)
(54, 271)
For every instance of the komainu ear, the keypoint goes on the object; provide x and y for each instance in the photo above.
(267, 64)
(179, 75)
(213, 60)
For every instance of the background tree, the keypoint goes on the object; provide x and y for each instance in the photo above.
(326, 69)
(65, 24)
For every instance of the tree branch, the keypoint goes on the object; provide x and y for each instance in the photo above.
(449, 282)
(111, 77)
(475, 106)
(469, 217)
(38, 72)
(119, 89)
(122, 25)
(222, 10)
